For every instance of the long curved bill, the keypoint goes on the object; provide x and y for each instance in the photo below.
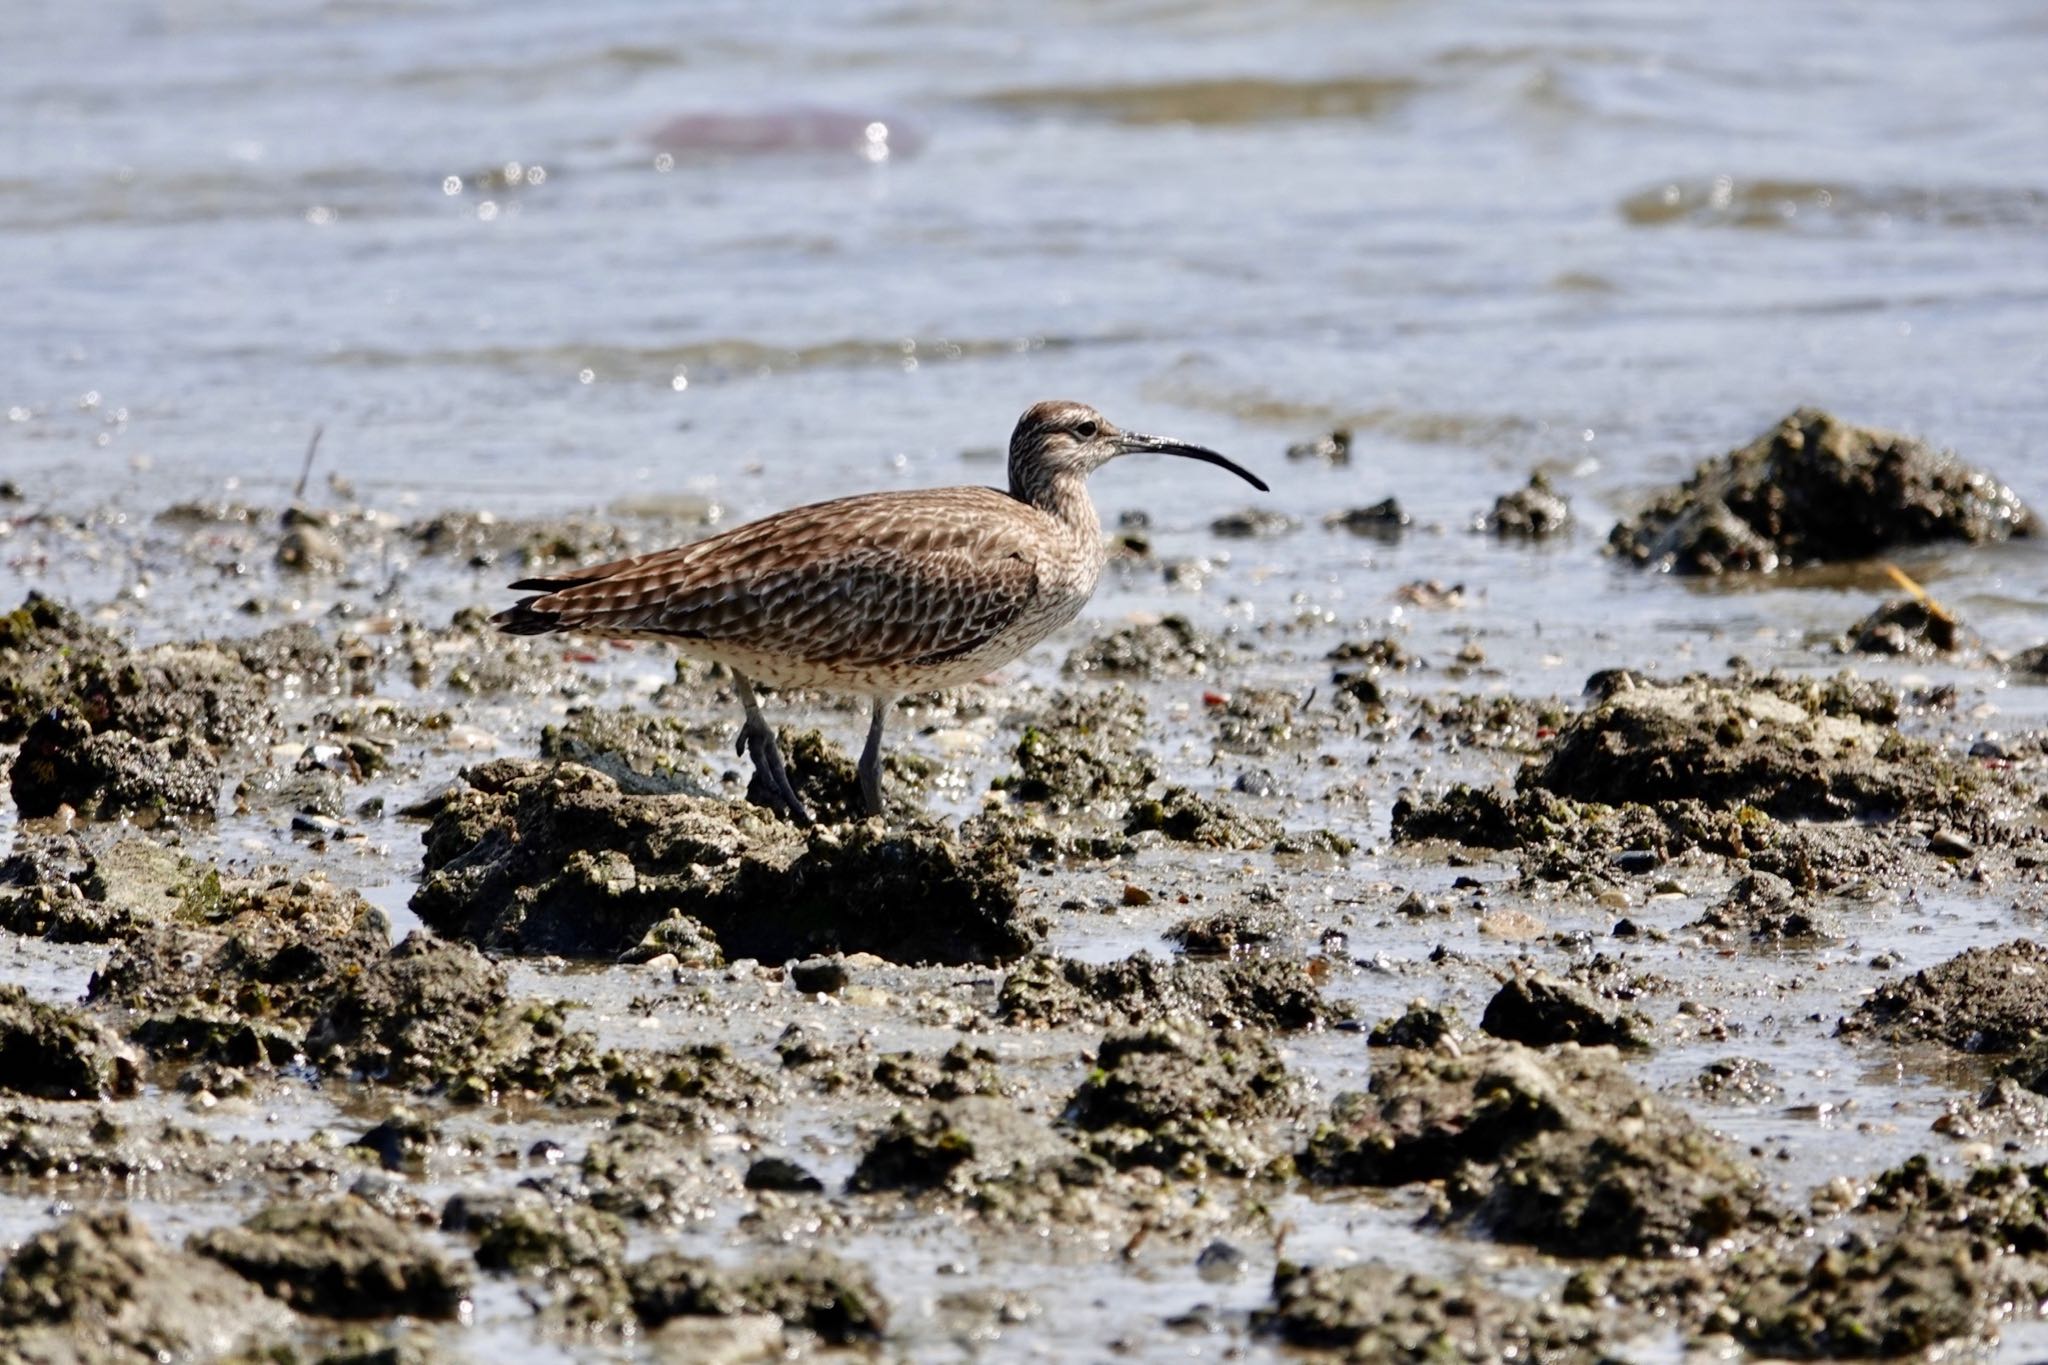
(1131, 443)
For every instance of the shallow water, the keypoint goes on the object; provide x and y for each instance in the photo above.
(1605, 240)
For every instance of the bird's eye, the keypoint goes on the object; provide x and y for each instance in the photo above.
(1087, 431)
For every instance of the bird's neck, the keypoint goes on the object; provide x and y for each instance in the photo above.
(1064, 498)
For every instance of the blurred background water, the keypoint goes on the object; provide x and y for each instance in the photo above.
(1612, 237)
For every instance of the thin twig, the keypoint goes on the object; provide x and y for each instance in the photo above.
(306, 469)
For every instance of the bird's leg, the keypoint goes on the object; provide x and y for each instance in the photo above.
(871, 761)
(757, 741)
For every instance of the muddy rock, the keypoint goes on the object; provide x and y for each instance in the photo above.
(434, 1015)
(1559, 1150)
(1982, 1000)
(1186, 817)
(1172, 647)
(2030, 663)
(43, 646)
(1376, 1312)
(540, 858)
(1816, 490)
(98, 1287)
(1537, 512)
(1254, 523)
(653, 1172)
(1083, 751)
(1184, 1098)
(1904, 626)
(1242, 992)
(1763, 908)
(1383, 520)
(521, 1230)
(1792, 754)
(339, 1258)
(987, 1156)
(959, 1072)
(63, 763)
(817, 1292)
(646, 754)
(238, 975)
(58, 888)
(1247, 929)
(1420, 1025)
(60, 1054)
(1541, 1011)
(1737, 1080)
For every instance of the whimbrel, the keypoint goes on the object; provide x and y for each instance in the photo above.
(880, 594)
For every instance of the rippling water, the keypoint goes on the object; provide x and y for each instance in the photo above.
(1613, 237)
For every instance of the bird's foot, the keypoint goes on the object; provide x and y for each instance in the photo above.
(757, 742)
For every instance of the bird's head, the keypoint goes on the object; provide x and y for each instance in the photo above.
(1058, 440)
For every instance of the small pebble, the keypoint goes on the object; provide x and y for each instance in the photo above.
(1949, 844)
(1220, 1263)
(819, 975)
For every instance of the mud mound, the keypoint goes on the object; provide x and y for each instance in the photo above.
(816, 1291)
(1184, 1099)
(100, 776)
(1171, 647)
(1083, 750)
(1981, 1000)
(1905, 626)
(1377, 1313)
(1745, 743)
(60, 1054)
(57, 887)
(1559, 1150)
(340, 1258)
(1258, 993)
(1203, 821)
(1815, 490)
(107, 730)
(539, 858)
(99, 1287)
(240, 986)
(1537, 512)
(1541, 1011)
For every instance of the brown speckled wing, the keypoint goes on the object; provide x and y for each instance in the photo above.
(883, 578)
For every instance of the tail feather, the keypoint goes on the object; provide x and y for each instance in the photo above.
(523, 618)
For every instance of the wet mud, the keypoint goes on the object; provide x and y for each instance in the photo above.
(1324, 983)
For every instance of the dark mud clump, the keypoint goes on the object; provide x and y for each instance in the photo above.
(434, 1015)
(106, 730)
(1172, 647)
(1907, 626)
(99, 1287)
(63, 763)
(340, 1258)
(1764, 908)
(1377, 1313)
(1816, 490)
(1082, 751)
(817, 1292)
(1789, 750)
(57, 888)
(1244, 992)
(646, 754)
(1982, 1000)
(1541, 1011)
(1560, 1150)
(1537, 512)
(970, 1149)
(239, 976)
(538, 858)
(60, 1054)
(1186, 817)
(1184, 1098)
